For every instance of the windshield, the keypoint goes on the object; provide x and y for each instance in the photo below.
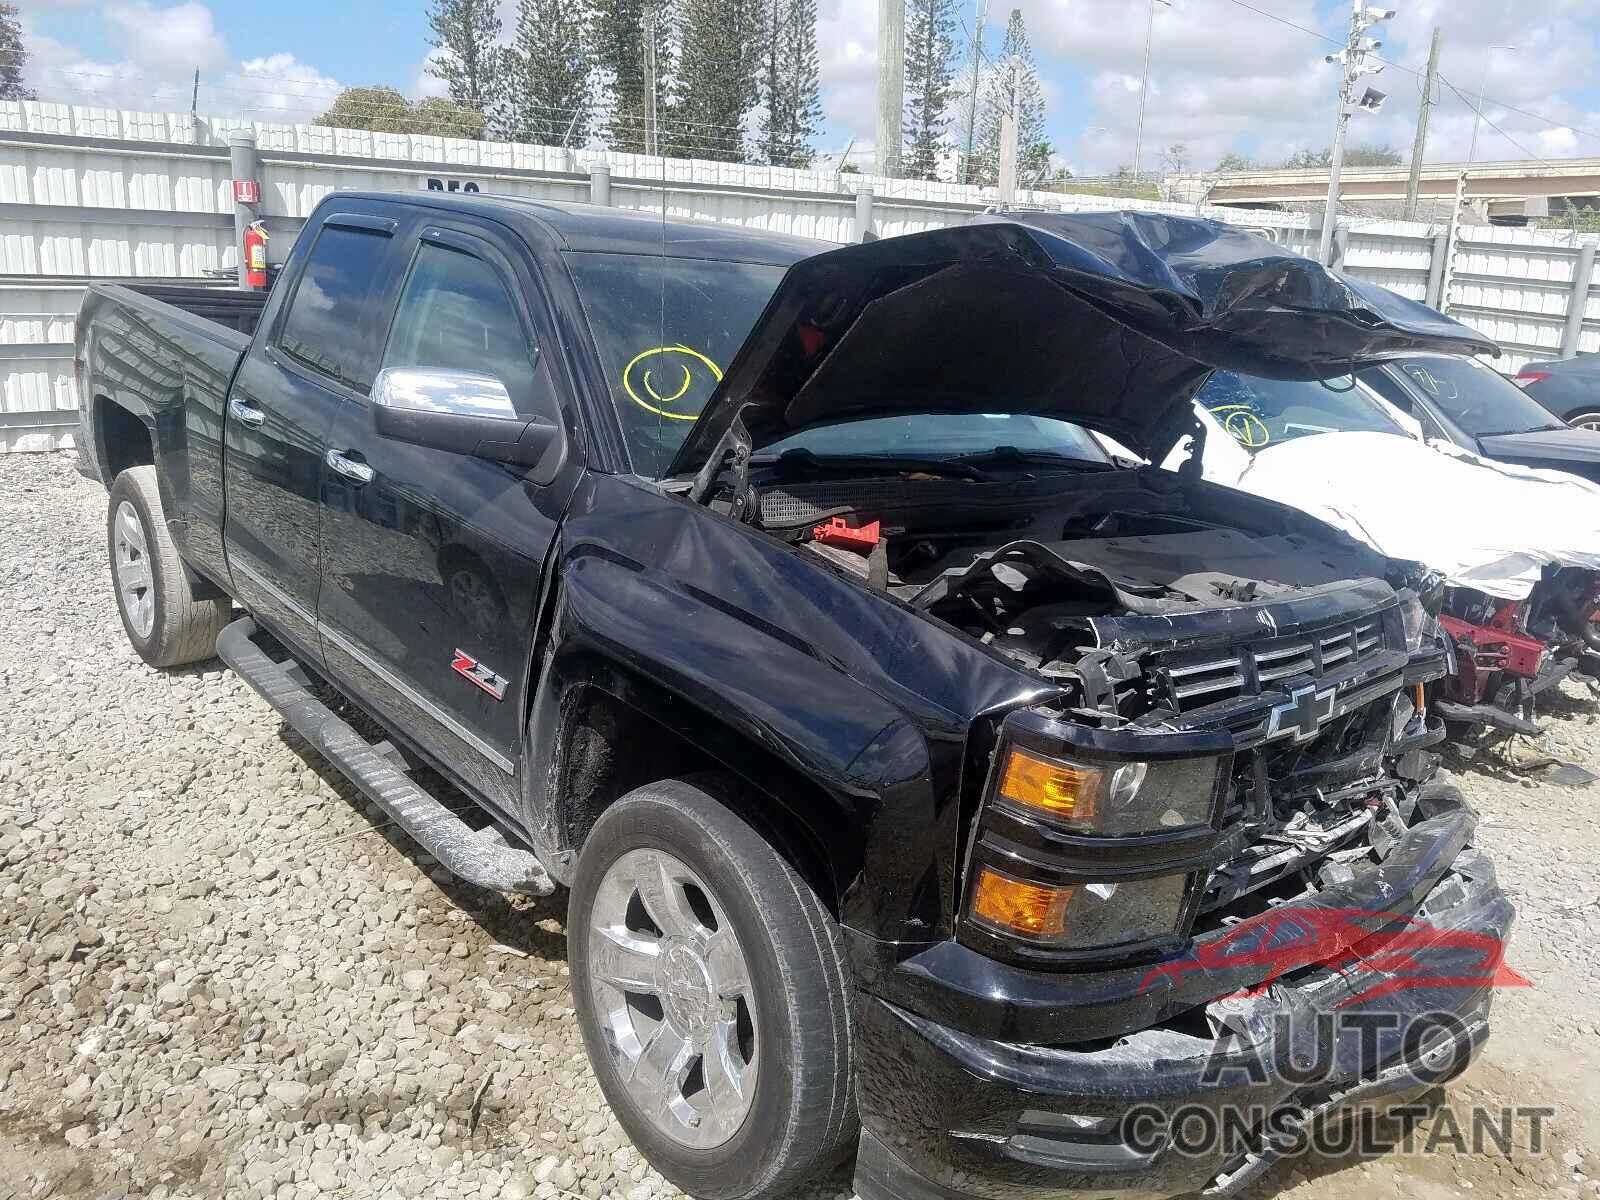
(667, 328)
(1476, 397)
(1263, 412)
(947, 435)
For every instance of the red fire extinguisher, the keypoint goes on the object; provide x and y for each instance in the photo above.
(255, 256)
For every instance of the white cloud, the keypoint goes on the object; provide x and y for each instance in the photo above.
(183, 36)
(847, 46)
(163, 47)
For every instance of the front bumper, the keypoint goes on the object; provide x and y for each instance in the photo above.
(950, 1113)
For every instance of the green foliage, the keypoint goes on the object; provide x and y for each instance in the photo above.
(384, 110)
(1233, 161)
(1578, 218)
(545, 74)
(619, 41)
(720, 59)
(930, 70)
(13, 55)
(1372, 156)
(791, 89)
(465, 33)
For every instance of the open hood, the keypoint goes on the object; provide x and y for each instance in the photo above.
(1111, 320)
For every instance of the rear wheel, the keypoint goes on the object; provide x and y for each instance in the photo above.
(708, 980)
(163, 620)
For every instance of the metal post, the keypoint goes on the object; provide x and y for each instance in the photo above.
(1452, 235)
(1341, 245)
(599, 184)
(891, 84)
(245, 168)
(1420, 147)
(972, 93)
(1578, 305)
(650, 144)
(1144, 90)
(863, 228)
(1441, 251)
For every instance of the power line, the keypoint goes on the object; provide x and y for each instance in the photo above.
(1399, 66)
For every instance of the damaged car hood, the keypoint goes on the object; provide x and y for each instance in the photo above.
(1109, 320)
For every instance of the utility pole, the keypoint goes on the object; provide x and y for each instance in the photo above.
(891, 83)
(1477, 111)
(1144, 89)
(972, 95)
(1008, 151)
(1353, 58)
(1420, 147)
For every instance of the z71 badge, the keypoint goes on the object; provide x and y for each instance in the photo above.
(475, 672)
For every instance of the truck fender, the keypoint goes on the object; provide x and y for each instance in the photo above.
(840, 759)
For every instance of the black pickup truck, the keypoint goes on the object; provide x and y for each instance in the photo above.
(928, 782)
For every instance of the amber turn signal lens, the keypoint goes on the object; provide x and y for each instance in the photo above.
(1052, 787)
(1026, 908)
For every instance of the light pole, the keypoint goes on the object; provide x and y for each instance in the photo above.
(1144, 88)
(1353, 58)
(1483, 82)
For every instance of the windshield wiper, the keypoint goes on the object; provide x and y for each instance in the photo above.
(1009, 456)
(809, 461)
(1535, 429)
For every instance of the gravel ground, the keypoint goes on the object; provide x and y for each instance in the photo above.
(222, 973)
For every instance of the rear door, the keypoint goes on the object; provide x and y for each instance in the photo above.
(320, 350)
(433, 558)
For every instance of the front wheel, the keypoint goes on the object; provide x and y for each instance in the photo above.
(163, 620)
(1588, 419)
(708, 979)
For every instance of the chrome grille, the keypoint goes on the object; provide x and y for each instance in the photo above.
(1211, 676)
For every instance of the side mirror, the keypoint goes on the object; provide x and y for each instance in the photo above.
(464, 412)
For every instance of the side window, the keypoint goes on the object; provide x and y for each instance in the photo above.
(328, 303)
(455, 314)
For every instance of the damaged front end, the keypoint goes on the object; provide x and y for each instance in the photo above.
(1505, 654)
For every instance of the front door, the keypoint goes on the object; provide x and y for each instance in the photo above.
(280, 411)
(433, 558)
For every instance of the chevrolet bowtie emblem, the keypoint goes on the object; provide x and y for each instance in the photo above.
(1303, 715)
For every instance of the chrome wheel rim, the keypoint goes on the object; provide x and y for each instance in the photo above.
(135, 585)
(1587, 423)
(671, 989)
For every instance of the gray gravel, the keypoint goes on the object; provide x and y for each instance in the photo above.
(221, 972)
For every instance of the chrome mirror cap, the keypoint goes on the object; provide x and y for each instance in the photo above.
(437, 390)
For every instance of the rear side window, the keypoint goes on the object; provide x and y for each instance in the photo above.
(455, 314)
(321, 327)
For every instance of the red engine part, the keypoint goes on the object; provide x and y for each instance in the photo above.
(836, 533)
(1483, 650)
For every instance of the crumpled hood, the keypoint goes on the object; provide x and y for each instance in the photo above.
(1110, 320)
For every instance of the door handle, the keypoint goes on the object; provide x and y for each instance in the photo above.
(358, 472)
(246, 412)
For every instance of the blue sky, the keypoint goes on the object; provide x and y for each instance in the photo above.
(1222, 77)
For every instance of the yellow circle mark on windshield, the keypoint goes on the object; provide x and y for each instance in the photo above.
(1245, 427)
(656, 399)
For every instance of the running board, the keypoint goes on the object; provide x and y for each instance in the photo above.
(479, 856)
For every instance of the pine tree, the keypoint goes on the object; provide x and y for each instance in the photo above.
(546, 80)
(467, 32)
(791, 89)
(718, 72)
(1013, 80)
(13, 55)
(619, 32)
(930, 71)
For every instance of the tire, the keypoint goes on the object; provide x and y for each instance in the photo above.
(790, 1024)
(163, 620)
(1585, 419)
